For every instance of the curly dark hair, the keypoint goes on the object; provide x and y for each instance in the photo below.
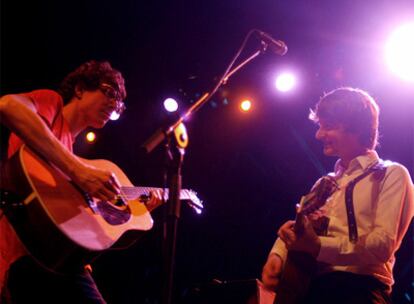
(89, 76)
(355, 109)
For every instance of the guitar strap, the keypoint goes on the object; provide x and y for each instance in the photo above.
(349, 200)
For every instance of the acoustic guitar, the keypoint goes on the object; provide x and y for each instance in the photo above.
(300, 267)
(61, 226)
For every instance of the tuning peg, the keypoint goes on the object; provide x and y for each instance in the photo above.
(194, 207)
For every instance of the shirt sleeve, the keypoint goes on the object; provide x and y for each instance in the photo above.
(48, 104)
(395, 209)
(279, 248)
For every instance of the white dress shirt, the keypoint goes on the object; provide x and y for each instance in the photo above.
(383, 204)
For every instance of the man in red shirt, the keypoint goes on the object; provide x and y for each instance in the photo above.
(40, 120)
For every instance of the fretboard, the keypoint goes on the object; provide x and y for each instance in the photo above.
(132, 192)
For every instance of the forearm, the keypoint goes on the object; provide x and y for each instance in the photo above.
(372, 249)
(17, 114)
(271, 271)
(279, 248)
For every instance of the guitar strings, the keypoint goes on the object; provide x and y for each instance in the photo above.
(130, 192)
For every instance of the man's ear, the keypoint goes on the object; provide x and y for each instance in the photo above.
(78, 92)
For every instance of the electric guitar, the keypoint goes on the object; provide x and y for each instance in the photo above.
(299, 266)
(60, 225)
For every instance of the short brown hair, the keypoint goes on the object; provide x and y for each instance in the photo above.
(354, 108)
(89, 76)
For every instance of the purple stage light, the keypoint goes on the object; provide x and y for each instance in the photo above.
(171, 105)
(399, 52)
(285, 82)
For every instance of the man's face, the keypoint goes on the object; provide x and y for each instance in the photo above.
(99, 104)
(337, 141)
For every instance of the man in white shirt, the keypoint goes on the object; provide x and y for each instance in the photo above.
(366, 217)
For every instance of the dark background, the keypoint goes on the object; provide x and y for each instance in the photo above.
(249, 169)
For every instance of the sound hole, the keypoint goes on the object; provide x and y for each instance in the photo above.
(112, 214)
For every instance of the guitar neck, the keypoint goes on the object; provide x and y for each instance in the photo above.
(300, 212)
(298, 227)
(137, 192)
(314, 200)
(189, 196)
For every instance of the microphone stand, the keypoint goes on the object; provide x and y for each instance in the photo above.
(176, 136)
(175, 150)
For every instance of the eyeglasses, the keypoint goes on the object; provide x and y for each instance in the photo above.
(113, 94)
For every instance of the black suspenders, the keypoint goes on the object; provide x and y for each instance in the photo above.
(352, 225)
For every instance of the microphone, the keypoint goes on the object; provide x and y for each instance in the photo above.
(276, 46)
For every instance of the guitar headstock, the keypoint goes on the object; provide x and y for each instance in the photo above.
(190, 196)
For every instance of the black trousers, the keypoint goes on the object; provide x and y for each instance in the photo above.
(28, 282)
(347, 288)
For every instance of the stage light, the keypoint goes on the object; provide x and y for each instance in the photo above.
(171, 105)
(90, 137)
(114, 116)
(399, 52)
(285, 82)
(246, 105)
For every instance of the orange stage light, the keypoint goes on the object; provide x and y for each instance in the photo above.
(246, 105)
(90, 137)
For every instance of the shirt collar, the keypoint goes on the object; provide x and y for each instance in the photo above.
(360, 162)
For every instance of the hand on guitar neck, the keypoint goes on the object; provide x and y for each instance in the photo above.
(154, 199)
(304, 239)
(299, 235)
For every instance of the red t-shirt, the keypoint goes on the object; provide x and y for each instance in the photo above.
(49, 106)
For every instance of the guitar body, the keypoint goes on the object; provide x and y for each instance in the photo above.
(297, 274)
(300, 267)
(54, 220)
